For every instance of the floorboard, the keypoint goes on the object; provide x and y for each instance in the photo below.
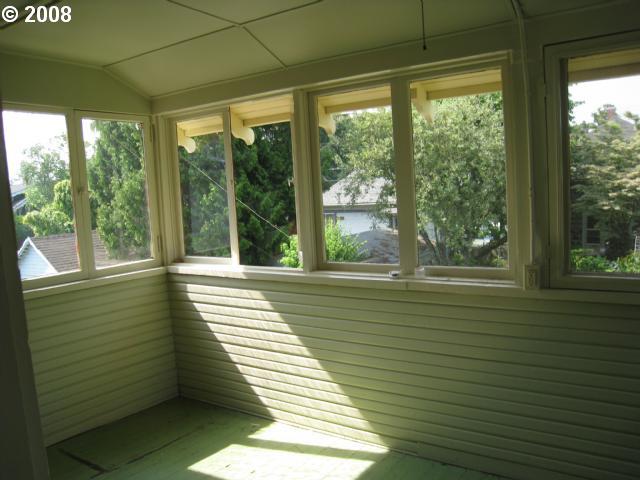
(187, 440)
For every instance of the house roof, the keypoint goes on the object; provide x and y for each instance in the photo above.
(61, 251)
(341, 195)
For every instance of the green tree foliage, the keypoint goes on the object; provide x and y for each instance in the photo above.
(459, 169)
(205, 211)
(605, 179)
(40, 174)
(117, 183)
(340, 247)
(264, 182)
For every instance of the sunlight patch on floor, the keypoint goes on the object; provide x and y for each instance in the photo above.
(280, 451)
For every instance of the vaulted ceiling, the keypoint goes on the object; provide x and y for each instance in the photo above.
(164, 46)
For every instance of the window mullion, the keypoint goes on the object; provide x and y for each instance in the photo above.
(80, 194)
(302, 168)
(231, 190)
(405, 185)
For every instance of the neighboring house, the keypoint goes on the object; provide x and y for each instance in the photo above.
(52, 254)
(355, 213)
(18, 199)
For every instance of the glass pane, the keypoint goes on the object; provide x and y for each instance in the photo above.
(117, 191)
(203, 184)
(38, 160)
(459, 159)
(265, 197)
(358, 177)
(604, 144)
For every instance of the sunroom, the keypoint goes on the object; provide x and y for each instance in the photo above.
(320, 239)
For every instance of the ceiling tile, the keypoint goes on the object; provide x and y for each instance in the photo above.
(106, 31)
(336, 27)
(534, 8)
(241, 11)
(219, 56)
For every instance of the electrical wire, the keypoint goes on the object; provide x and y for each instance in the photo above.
(237, 199)
(424, 37)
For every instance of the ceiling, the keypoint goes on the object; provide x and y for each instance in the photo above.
(164, 46)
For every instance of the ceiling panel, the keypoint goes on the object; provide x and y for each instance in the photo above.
(336, 27)
(105, 31)
(219, 56)
(241, 11)
(533, 8)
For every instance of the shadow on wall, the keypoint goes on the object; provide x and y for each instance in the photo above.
(433, 379)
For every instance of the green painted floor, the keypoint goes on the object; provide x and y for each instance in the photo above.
(185, 439)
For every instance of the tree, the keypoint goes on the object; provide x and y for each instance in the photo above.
(118, 189)
(40, 174)
(263, 175)
(459, 170)
(205, 211)
(605, 179)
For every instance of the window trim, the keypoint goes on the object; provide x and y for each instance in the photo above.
(556, 79)
(82, 220)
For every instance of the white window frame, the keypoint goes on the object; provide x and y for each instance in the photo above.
(80, 199)
(556, 79)
(404, 165)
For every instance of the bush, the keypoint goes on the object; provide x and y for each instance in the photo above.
(629, 264)
(583, 261)
(341, 247)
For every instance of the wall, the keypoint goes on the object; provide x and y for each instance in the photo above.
(45, 82)
(100, 353)
(522, 387)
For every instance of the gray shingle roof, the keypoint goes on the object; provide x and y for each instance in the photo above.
(340, 193)
(61, 251)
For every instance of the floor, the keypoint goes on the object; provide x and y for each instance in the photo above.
(185, 439)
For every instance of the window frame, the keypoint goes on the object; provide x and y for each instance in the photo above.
(557, 97)
(404, 166)
(79, 195)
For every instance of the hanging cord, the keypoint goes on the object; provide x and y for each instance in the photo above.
(237, 199)
(424, 37)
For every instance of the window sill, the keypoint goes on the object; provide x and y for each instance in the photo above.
(91, 283)
(416, 284)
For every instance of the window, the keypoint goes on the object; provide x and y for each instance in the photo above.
(203, 182)
(65, 231)
(362, 151)
(120, 228)
(598, 230)
(237, 185)
(41, 193)
(357, 177)
(460, 170)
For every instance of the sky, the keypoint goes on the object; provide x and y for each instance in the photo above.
(624, 93)
(23, 130)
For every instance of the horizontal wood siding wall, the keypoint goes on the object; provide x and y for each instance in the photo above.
(100, 354)
(526, 388)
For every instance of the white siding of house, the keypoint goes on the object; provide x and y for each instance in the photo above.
(527, 388)
(358, 222)
(32, 264)
(100, 354)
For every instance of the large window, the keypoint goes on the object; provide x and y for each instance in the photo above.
(596, 174)
(79, 194)
(41, 193)
(237, 185)
(357, 170)
(394, 174)
(460, 170)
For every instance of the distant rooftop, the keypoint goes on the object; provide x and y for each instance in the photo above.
(340, 194)
(61, 251)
